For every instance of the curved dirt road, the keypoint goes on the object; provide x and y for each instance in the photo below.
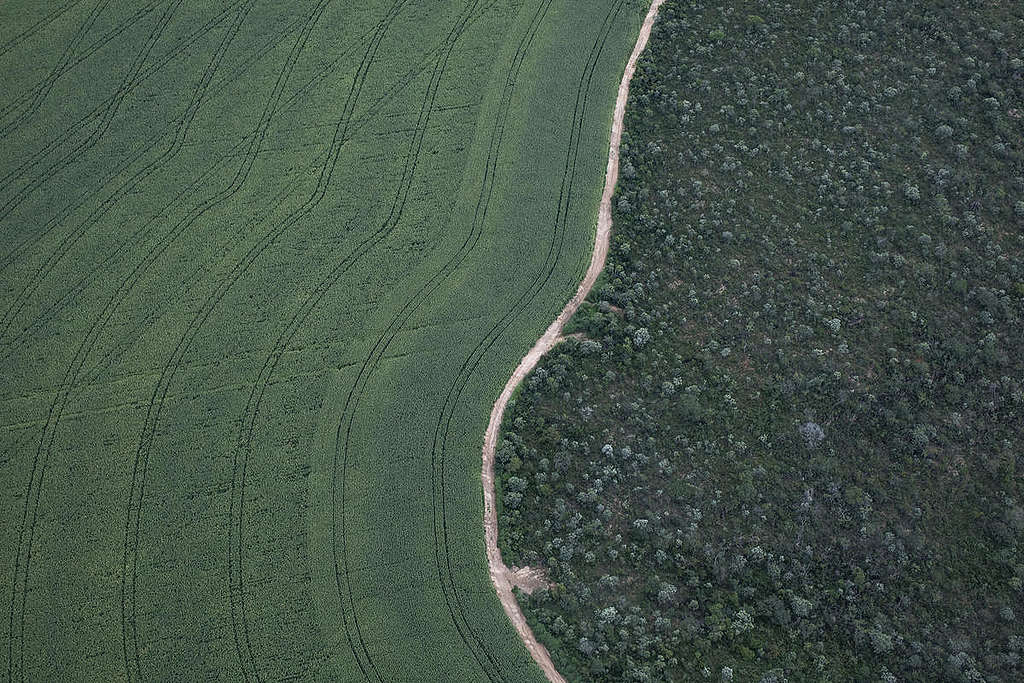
(501, 575)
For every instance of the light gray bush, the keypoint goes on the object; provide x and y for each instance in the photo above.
(812, 434)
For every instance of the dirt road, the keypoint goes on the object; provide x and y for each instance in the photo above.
(502, 576)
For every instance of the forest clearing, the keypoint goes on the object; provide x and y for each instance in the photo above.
(264, 269)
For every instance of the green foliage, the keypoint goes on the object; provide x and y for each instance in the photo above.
(264, 268)
(818, 441)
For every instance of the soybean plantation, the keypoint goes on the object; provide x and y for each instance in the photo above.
(264, 267)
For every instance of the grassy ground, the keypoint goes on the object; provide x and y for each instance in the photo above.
(791, 446)
(265, 268)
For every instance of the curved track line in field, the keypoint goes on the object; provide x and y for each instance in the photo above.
(54, 306)
(102, 115)
(499, 572)
(36, 27)
(341, 563)
(446, 417)
(359, 122)
(236, 577)
(439, 448)
(25, 540)
(348, 125)
(47, 84)
(371, 362)
(61, 140)
(345, 129)
(40, 461)
(178, 140)
(81, 56)
(129, 607)
(323, 71)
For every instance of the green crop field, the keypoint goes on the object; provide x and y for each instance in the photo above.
(264, 267)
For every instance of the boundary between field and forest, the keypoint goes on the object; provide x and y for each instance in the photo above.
(500, 574)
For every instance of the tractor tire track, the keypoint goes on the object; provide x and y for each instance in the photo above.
(105, 119)
(490, 667)
(34, 487)
(133, 523)
(82, 55)
(177, 143)
(55, 306)
(38, 26)
(341, 566)
(102, 115)
(236, 589)
(64, 247)
(63, 139)
(123, 164)
(359, 123)
(236, 554)
(128, 597)
(321, 74)
(143, 230)
(33, 500)
(54, 74)
(463, 625)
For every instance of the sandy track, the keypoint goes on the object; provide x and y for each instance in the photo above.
(502, 576)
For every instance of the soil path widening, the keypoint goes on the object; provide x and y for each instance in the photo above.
(502, 577)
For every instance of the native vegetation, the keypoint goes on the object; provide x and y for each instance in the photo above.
(789, 443)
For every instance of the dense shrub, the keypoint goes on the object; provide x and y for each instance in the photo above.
(790, 447)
